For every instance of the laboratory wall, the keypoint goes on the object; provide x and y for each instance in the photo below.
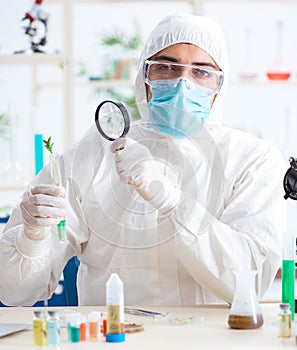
(265, 108)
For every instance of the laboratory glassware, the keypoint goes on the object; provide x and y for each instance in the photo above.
(245, 310)
(56, 180)
(39, 328)
(115, 309)
(284, 321)
(94, 321)
(247, 71)
(38, 151)
(56, 176)
(112, 120)
(288, 270)
(289, 243)
(278, 70)
(74, 330)
(53, 328)
(83, 328)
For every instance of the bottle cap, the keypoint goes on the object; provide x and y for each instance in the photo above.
(285, 306)
(52, 313)
(115, 338)
(39, 313)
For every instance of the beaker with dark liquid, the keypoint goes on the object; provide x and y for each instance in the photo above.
(245, 310)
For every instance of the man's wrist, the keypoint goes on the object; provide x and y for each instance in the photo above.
(28, 247)
(166, 199)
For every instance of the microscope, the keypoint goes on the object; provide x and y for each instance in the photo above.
(36, 28)
(290, 180)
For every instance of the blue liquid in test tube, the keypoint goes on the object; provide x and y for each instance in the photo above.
(38, 151)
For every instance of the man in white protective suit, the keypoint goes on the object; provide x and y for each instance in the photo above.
(174, 208)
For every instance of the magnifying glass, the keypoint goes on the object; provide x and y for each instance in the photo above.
(112, 120)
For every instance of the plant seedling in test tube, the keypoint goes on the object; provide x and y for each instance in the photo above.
(56, 177)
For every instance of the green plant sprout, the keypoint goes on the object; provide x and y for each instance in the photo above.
(119, 37)
(48, 145)
(56, 175)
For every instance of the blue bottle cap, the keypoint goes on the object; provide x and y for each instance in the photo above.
(115, 338)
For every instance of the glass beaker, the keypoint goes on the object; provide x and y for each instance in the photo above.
(245, 311)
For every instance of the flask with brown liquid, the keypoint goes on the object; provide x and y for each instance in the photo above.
(245, 311)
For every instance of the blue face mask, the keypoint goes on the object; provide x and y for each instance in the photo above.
(180, 109)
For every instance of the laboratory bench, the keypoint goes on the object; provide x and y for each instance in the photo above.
(198, 327)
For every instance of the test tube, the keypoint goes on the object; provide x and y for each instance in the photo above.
(93, 320)
(288, 270)
(56, 176)
(38, 151)
(115, 309)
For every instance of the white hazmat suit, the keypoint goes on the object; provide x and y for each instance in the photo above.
(230, 213)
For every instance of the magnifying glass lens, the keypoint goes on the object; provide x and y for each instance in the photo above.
(112, 120)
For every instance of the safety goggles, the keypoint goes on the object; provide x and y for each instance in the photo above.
(169, 71)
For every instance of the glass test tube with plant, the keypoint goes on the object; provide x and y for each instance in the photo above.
(56, 178)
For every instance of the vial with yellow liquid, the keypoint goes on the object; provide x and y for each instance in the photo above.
(39, 328)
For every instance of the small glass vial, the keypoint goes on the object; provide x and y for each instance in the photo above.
(94, 322)
(74, 328)
(53, 328)
(83, 328)
(39, 328)
(285, 317)
(104, 324)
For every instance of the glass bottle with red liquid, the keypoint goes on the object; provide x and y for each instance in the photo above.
(278, 70)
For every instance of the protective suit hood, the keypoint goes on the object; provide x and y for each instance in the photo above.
(191, 29)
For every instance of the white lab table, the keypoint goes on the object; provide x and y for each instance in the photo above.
(209, 331)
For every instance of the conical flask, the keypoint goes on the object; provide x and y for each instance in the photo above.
(248, 71)
(245, 311)
(279, 70)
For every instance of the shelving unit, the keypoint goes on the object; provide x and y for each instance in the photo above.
(34, 61)
(12, 186)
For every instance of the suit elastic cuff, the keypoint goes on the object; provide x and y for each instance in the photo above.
(29, 247)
